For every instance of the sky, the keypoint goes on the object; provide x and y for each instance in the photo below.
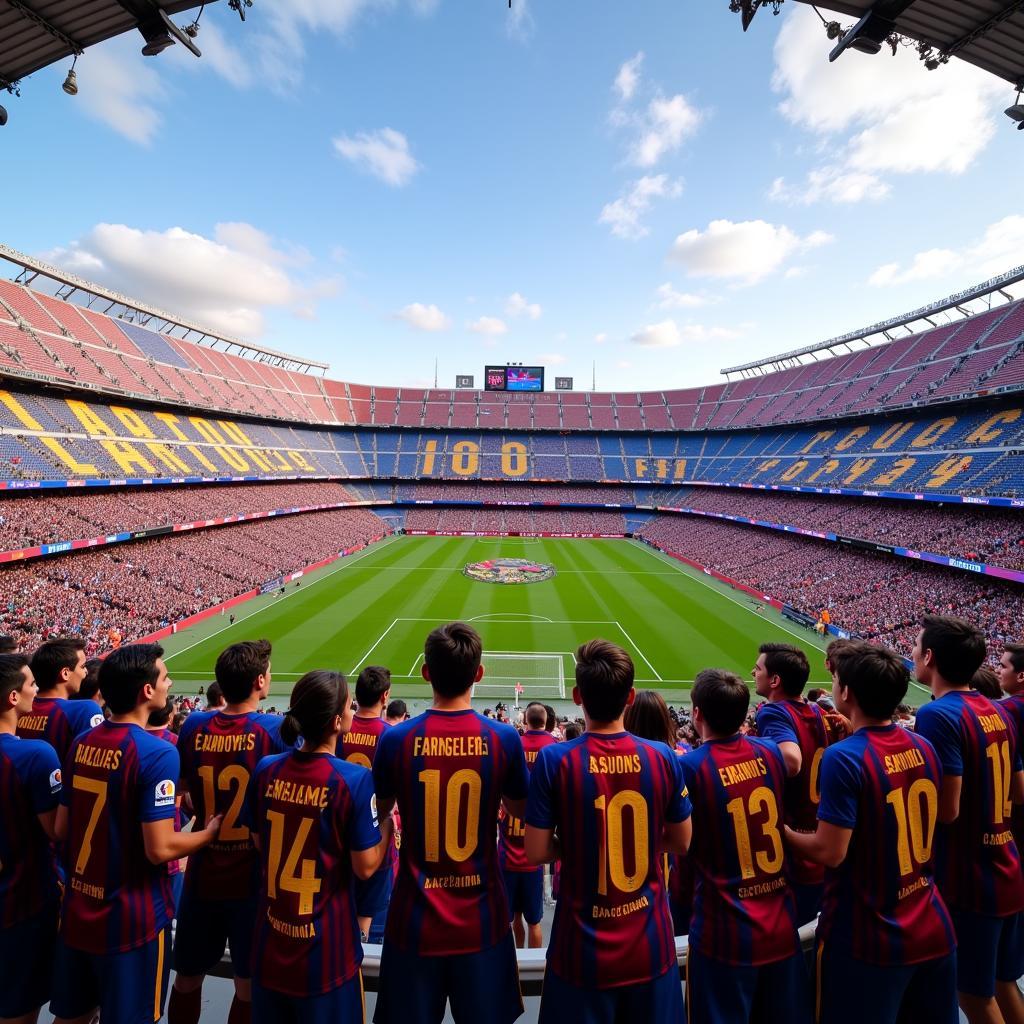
(633, 194)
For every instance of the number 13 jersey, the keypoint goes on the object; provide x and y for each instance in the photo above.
(449, 770)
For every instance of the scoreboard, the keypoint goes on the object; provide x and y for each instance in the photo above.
(514, 378)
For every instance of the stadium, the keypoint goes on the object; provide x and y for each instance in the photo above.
(168, 482)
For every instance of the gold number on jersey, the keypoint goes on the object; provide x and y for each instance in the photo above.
(360, 759)
(760, 799)
(98, 789)
(464, 789)
(916, 815)
(1002, 775)
(815, 783)
(611, 850)
(233, 777)
(305, 884)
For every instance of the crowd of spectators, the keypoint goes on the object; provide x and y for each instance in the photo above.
(502, 520)
(875, 596)
(29, 519)
(557, 493)
(117, 594)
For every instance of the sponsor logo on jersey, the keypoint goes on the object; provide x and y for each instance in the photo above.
(55, 781)
(164, 794)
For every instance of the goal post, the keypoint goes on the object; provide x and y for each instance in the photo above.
(538, 675)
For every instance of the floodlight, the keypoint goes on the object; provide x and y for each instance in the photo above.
(1016, 113)
(3, 116)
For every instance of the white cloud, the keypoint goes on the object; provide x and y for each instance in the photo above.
(669, 297)
(517, 305)
(600, 339)
(997, 250)
(669, 334)
(624, 214)
(383, 153)
(628, 77)
(424, 318)
(552, 359)
(489, 325)
(520, 22)
(225, 282)
(747, 251)
(666, 125)
(879, 114)
(122, 90)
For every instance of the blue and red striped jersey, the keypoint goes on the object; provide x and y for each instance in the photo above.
(978, 866)
(800, 722)
(744, 911)
(359, 744)
(59, 722)
(219, 753)
(1014, 707)
(609, 796)
(310, 812)
(30, 784)
(512, 830)
(881, 904)
(117, 777)
(449, 770)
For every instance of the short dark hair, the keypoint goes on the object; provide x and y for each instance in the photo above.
(552, 719)
(815, 693)
(452, 654)
(604, 676)
(125, 672)
(159, 718)
(789, 663)
(573, 731)
(11, 676)
(317, 698)
(396, 709)
(876, 676)
(648, 718)
(986, 682)
(51, 657)
(722, 698)
(957, 647)
(8, 645)
(536, 715)
(214, 694)
(1016, 653)
(373, 682)
(91, 683)
(239, 666)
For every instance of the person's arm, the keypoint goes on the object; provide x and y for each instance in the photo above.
(366, 839)
(949, 798)
(773, 723)
(827, 845)
(1017, 787)
(793, 757)
(48, 822)
(517, 782)
(677, 835)
(542, 846)
(943, 732)
(517, 808)
(366, 862)
(162, 843)
(678, 830)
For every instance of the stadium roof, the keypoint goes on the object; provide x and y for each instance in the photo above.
(36, 33)
(987, 33)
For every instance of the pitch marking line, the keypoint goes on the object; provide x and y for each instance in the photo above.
(345, 563)
(355, 668)
(525, 616)
(632, 644)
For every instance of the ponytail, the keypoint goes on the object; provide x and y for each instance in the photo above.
(318, 697)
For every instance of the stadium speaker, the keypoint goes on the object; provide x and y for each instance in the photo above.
(3, 116)
(1016, 113)
(70, 85)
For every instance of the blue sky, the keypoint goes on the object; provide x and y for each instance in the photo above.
(376, 183)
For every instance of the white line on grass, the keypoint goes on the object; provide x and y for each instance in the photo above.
(415, 665)
(517, 615)
(394, 623)
(633, 644)
(345, 563)
(735, 601)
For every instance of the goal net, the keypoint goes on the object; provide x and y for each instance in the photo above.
(539, 675)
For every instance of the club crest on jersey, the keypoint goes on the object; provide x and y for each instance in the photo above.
(55, 781)
(509, 570)
(164, 794)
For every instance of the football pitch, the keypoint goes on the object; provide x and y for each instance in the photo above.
(376, 608)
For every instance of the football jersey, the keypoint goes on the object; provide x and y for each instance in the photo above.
(30, 784)
(1014, 707)
(59, 722)
(978, 866)
(802, 723)
(744, 911)
(219, 752)
(512, 830)
(359, 744)
(117, 778)
(881, 904)
(310, 812)
(448, 771)
(610, 797)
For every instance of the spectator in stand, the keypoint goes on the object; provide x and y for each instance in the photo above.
(7, 644)
(90, 688)
(215, 698)
(396, 712)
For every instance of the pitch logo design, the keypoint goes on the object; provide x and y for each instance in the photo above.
(509, 570)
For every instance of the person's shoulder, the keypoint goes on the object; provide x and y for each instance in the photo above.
(265, 763)
(195, 720)
(266, 721)
(849, 752)
(763, 744)
(942, 709)
(31, 755)
(352, 774)
(149, 744)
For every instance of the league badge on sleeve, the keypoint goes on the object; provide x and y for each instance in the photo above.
(164, 795)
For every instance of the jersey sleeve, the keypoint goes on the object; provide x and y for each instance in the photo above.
(841, 782)
(383, 761)
(363, 829)
(679, 808)
(517, 782)
(159, 771)
(45, 782)
(943, 731)
(540, 810)
(774, 723)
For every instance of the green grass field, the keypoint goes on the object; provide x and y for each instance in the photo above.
(378, 606)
